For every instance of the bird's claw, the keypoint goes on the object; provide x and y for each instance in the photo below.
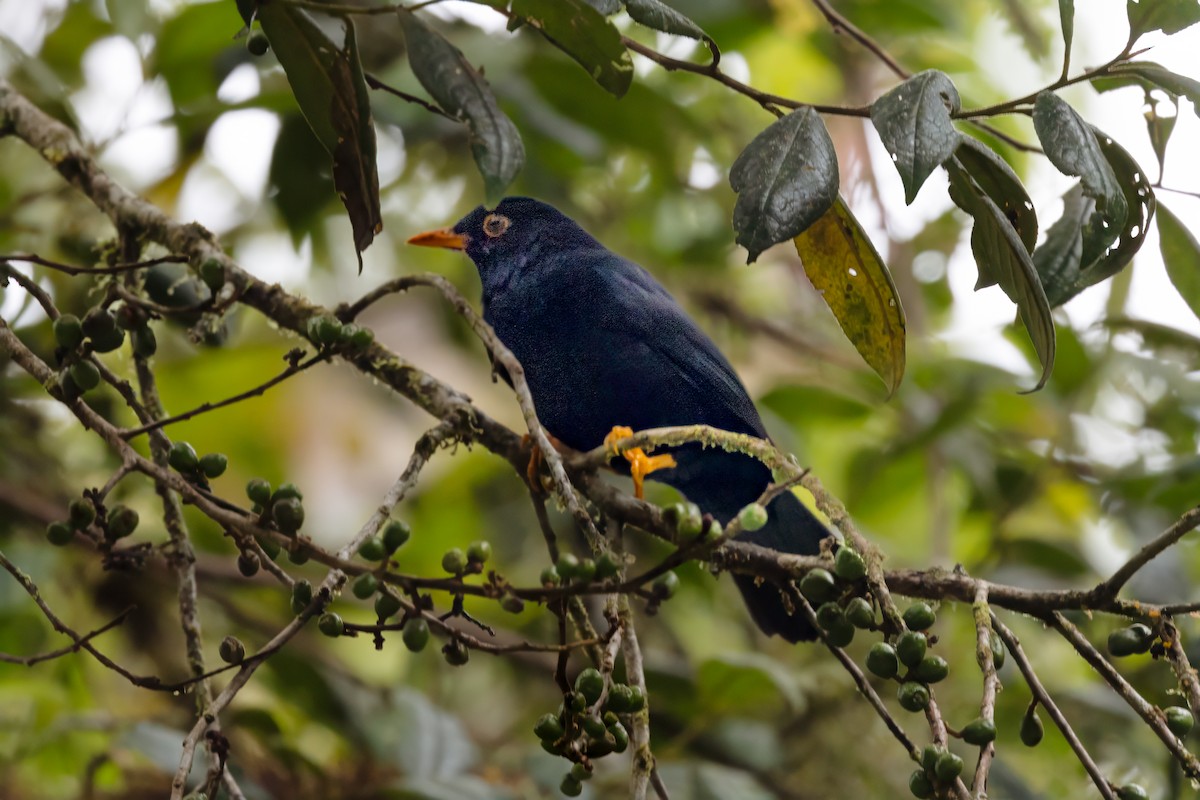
(640, 464)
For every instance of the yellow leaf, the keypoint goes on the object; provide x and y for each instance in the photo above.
(844, 267)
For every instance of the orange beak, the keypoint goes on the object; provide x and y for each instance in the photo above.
(446, 237)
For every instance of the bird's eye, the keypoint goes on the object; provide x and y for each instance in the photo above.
(495, 225)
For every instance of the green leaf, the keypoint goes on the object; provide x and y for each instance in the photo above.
(1168, 16)
(1151, 76)
(327, 81)
(463, 93)
(659, 16)
(913, 120)
(1066, 14)
(847, 271)
(785, 180)
(300, 173)
(1140, 204)
(1073, 149)
(998, 181)
(1003, 259)
(1181, 254)
(580, 31)
(605, 7)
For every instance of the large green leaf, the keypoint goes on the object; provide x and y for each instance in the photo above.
(785, 180)
(847, 271)
(327, 81)
(1059, 257)
(1072, 148)
(1003, 258)
(1168, 16)
(463, 93)
(661, 17)
(1152, 76)
(913, 120)
(1181, 254)
(998, 181)
(580, 31)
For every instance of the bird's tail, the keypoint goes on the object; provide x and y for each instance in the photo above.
(791, 528)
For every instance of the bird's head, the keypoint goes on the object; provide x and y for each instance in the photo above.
(503, 240)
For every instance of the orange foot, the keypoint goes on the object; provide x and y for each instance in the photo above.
(533, 469)
(640, 464)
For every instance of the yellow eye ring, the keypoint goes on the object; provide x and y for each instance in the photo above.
(495, 225)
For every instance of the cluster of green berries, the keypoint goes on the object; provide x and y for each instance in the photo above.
(570, 568)
(328, 333)
(689, 523)
(459, 562)
(117, 522)
(583, 726)
(197, 469)
(839, 610)
(100, 331)
(939, 767)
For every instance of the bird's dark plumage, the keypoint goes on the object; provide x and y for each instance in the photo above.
(604, 344)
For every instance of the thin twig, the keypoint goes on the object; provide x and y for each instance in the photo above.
(1178, 529)
(29, 661)
(116, 269)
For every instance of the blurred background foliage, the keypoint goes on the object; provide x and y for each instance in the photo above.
(1051, 489)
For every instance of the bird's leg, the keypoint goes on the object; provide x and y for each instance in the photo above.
(640, 464)
(533, 470)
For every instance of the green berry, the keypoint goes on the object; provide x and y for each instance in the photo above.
(364, 586)
(386, 605)
(948, 767)
(620, 737)
(68, 332)
(1031, 728)
(920, 785)
(753, 517)
(551, 748)
(287, 491)
(665, 586)
(570, 786)
(145, 343)
(910, 647)
(586, 571)
(81, 513)
(85, 374)
(882, 660)
(637, 699)
(1130, 641)
(59, 534)
(415, 634)
(818, 586)
(841, 634)
(998, 651)
(122, 521)
(248, 564)
(395, 534)
(620, 698)
(548, 727)
(373, 549)
(324, 330)
(213, 465)
(607, 566)
(931, 669)
(98, 323)
(1132, 791)
(109, 341)
(913, 696)
(830, 615)
(302, 595)
(579, 772)
(1179, 720)
(590, 684)
(919, 617)
(849, 565)
(568, 565)
(359, 339)
(550, 577)
(455, 561)
(331, 624)
(456, 653)
(212, 271)
(512, 604)
(594, 727)
(859, 613)
(929, 756)
(297, 555)
(183, 457)
(288, 515)
(232, 650)
(479, 552)
(259, 491)
(979, 732)
(258, 45)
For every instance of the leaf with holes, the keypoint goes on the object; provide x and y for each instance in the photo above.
(1003, 257)
(1168, 16)
(998, 181)
(1058, 258)
(463, 93)
(785, 180)
(846, 269)
(327, 81)
(1073, 150)
(580, 31)
(913, 120)
(1140, 202)
(661, 17)
(1181, 254)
